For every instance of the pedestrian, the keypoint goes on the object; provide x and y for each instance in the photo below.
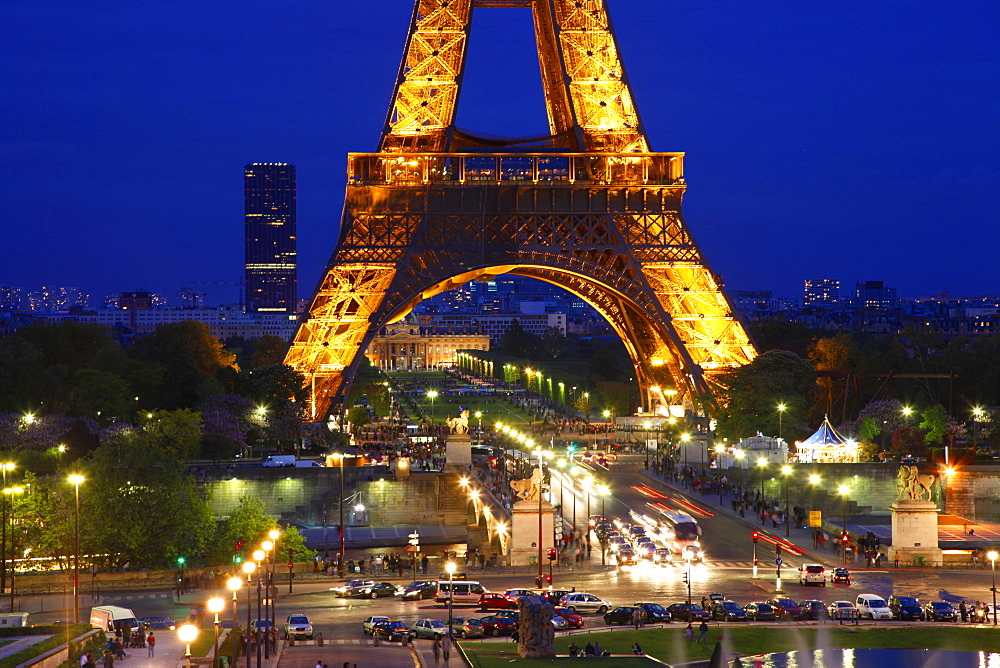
(588, 650)
(704, 603)
(446, 647)
(637, 618)
(150, 644)
(108, 660)
(437, 650)
(319, 664)
(689, 632)
(636, 649)
(963, 612)
(597, 649)
(702, 631)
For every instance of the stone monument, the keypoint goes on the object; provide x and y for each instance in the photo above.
(535, 633)
(458, 444)
(915, 520)
(525, 514)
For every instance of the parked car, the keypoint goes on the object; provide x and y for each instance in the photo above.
(298, 626)
(841, 576)
(585, 602)
(653, 613)
(393, 631)
(813, 609)
(378, 590)
(906, 608)
(687, 612)
(842, 610)
(351, 587)
(494, 601)
(369, 624)
(873, 607)
(728, 611)
(760, 612)
(553, 596)
(514, 594)
(940, 611)
(559, 623)
(158, 623)
(496, 625)
(574, 620)
(620, 615)
(419, 590)
(467, 627)
(785, 608)
(432, 629)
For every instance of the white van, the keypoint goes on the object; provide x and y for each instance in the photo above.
(111, 617)
(279, 461)
(812, 574)
(466, 592)
(872, 607)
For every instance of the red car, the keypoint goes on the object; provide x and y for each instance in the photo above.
(785, 608)
(492, 601)
(498, 626)
(574, 620)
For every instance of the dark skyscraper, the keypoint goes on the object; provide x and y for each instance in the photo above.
(269, 209)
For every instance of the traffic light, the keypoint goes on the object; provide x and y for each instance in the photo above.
(777, 548)
(548, 579)
(685, 575)
(755, 535)
(845, 538)
(180, 562)
(552, 554)
(239, 545)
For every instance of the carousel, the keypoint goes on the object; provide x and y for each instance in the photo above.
(826, 446)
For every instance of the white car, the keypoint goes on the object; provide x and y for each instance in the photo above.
(368, 626)
(352, 587)
(584, 602)
(298, 626)
(812, 574)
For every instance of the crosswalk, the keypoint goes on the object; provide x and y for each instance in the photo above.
(133, 597)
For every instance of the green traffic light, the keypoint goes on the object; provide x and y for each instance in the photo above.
(180, 560)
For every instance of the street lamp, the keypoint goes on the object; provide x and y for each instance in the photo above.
(432, 395)
(762, 464)
(603, 491)
(216, 605)
(187, 633)
(6, 466)
(992, 556)
(450, 569)
(739, 455)
(248, 567)
(267, 546)
(785, 472)
(234, 584)
(339, 458)
(260, 634)
(813, 483)
(540, 579)
(13, 546)
(479, 416)
(781, 412)
(76, 480)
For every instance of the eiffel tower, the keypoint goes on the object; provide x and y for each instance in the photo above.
(586, 207)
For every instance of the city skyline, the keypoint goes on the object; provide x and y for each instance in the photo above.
(853, 142)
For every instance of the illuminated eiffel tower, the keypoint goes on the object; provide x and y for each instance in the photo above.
(587, 207)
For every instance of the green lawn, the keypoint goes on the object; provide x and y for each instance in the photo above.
(669, 645)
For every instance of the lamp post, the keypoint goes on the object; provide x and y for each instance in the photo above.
(992, 556)
(813, 483)
(761, 464)
(258, 556)
(268, 603)
(687, 558)
(781, 413)
(187, 633)
(739, 455)
(844, 491)
(540, 579)
(785, 472)
(216, 605)
(76, 480)
(450, 568)
(339, 457)
(248, 567)
(13, 546)
(479, 430)
(432, 395)
(234, 584)
(603, 490)
(6, 466)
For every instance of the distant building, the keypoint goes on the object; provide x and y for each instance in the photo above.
(821, 292)
(11, 298)
(222, 323)
(269, 225)
(494, 325)
(48, 298)
(407, 345)
(874, 296)
(140, 300)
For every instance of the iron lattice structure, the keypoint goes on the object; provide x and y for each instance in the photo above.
(587, 208)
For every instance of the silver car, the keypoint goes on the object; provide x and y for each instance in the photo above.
(298, 626)
(584, 602)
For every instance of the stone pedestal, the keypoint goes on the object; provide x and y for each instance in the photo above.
(402, 468)
(915, 533)
(524, 532)
(458, 450)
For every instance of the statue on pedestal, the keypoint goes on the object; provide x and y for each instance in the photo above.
(528, 489)
(912, 484)
(460, 424)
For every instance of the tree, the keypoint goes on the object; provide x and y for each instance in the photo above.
(519, 343)
(137, 505)
(176, 432)
(752, 393)
(247, 525)
(358, 416)
(226, 424)
(292, 544)
(935, 422)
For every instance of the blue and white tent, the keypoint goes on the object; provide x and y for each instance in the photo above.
(826, 445)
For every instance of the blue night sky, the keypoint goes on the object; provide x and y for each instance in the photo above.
(852, 140)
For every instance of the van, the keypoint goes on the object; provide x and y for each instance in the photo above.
(872, 607)
(812, 574)
(307, 464)
(461, 592)
(279, 461)
(112, 617)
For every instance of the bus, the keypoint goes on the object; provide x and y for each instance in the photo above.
(681, 533)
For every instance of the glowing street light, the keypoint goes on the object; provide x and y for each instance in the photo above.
(432, 395)
(781, 412)
(187, 633)
(992, 556)
(234, 584)
(216, 605)
(75, 480)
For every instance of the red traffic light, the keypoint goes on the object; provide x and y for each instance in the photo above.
(552, 554)
(548, 579)
(755, 536)
(239, 545)
(845, 538)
